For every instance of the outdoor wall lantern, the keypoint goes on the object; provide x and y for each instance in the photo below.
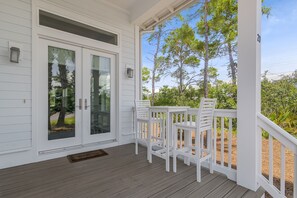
(130, 73)
(15, 54)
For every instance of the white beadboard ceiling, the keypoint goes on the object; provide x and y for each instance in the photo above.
(156, 12)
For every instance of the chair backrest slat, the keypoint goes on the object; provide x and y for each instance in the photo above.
(205, 114)
(142, 108)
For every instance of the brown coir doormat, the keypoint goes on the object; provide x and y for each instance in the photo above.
(86, 155)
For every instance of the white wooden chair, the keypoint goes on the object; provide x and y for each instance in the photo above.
(144, 124)
(200, 121)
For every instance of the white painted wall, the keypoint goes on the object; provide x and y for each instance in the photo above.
(15, 79)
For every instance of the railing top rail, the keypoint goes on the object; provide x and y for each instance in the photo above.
(229, 113)
(277, 132)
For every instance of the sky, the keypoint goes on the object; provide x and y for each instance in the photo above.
(279, 43)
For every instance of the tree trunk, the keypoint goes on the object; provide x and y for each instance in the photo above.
(153, 88)
(181, 77)
(159, 34)
(206, 46)
(64, 83)
(232, 64)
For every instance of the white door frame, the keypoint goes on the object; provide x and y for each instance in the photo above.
(43, 142)
(87, 64)
(40, 32)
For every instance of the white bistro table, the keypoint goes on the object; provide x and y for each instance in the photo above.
(168, 111)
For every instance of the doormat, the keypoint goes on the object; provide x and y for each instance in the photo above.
(86, 155)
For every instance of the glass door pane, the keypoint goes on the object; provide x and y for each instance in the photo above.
(61, 93)
(100, 95)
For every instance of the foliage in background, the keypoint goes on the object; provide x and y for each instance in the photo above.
(214, 34)
(279, 99)
(180, 57)
(159, 66)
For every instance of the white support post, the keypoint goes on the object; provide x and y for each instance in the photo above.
(137, 63)
(137, 81)
(249, 87)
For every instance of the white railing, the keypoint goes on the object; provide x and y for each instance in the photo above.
(221, 116)
(288, 142)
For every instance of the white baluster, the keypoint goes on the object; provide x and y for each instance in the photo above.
(230, 144)
(222, 141)
(283, 170)
(295, 176)
(270, 160)
(215, 141)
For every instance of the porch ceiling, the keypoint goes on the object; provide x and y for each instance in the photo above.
(147, 14)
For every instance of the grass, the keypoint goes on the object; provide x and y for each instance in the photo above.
(68, 121)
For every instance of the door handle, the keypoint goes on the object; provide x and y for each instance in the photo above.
(86, 104)
(80, 104)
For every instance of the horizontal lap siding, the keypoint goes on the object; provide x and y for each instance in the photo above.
(15, 79)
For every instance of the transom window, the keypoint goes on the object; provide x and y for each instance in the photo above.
(67, 25)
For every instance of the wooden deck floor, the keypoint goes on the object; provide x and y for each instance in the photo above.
(119, 174)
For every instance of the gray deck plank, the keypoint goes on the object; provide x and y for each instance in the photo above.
(207, 189)
(222, 190)
(236, 192)
(119, 174)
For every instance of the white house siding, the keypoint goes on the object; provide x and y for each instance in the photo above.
(15, 79)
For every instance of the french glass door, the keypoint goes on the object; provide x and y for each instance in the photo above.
(75, 96)
(99, 96)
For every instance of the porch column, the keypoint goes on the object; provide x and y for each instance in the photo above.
(138, 78)
(249, 87)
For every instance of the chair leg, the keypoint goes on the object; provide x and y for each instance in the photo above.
(197, 155)
(210, 152)
(174, 162)
(136, 146)
(174, 133)
(188, 143)
(149, 148)
(198, 170)
(136, 139)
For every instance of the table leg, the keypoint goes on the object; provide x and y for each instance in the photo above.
(188, 143)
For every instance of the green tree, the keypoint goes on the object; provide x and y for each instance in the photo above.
(279, 99)
(146, 75)
(224, 18)
(208, 47)
(159, 61)
(180, 56)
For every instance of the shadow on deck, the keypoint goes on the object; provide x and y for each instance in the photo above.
(119, 174)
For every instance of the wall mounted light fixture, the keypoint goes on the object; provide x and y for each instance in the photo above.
(15, 54)
(130, 73)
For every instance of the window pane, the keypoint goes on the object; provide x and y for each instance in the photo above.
(61, 93)
(70, 26)
(100, 95)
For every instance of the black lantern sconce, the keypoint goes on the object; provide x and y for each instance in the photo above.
(15, 54)
(130, 73)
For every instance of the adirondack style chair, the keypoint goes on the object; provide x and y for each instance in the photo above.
(201, 122)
